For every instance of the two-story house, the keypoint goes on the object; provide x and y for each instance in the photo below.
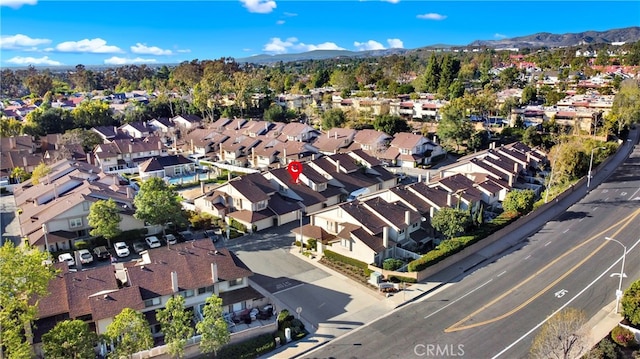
(334, 140)
(124, 156)
(410, 150)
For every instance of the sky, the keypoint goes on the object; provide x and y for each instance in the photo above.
(68, 33)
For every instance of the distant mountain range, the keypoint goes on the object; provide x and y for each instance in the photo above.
(542, 39)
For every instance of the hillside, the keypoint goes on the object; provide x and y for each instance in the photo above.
(545, 39)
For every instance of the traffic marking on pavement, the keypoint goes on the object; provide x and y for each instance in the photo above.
(527, 257)
(502, 273)
(634, 194)
(286, 288)
(560, 293)
(548, 243)
(458, 325)
(445, 307)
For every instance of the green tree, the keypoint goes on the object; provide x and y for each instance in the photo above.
(448, 72)
(390, 124)
(158, 204)
(626, 104)
(334, 117)
(130, 332)
(104, 218)
(19, 174)
(78, 136)
(456, 90)
(453, 125)
(24, 278)
(450, 221)
(562, 337)
(41, 171)
(10, 127)
(275, 113)
(53, 120)
(531, 137)
(529, 95)
(70, 339)
(602, 58)
(176, 325)
(213, 328)
(343, 79)
(520, 201)
(432, 75)
(631, 303)
(39, 83)
(92, 113)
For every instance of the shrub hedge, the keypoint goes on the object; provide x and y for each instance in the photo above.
(452, 246)
(333, 256)
(248, 349)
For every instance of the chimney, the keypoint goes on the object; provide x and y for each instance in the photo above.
(420, 177)
(229, 176)
(202, 187)
(159, 145)
(407, 218)
(24, 162)
(338, 166)
(89, 158)
(449, 198)
(214, 272)
(266, 127)
(432, 211)
(427, 177)
(328, 134)
(174, 282)
(285, 156)
(130, 148)
(385, 237)
(511, 180)
(515, 167)
(12, 142)
(129, 192)
(55, 191)
(335, 135)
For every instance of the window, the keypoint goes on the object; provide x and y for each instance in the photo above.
(86, 205)
(203, 290)
(187, 293)
(152, 302)
(235, 282)
(75, 223)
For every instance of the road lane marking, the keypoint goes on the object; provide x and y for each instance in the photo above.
(560, 293)
(548, 243)
(581, 219)
(443, 308)
(458, 325)
(564, 305)
(566, 230)
(501, 274)
(594, 209)
(527, 257)
(635, 193)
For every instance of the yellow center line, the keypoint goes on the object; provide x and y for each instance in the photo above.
(458, 327)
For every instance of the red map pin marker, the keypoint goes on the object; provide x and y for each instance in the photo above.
(295, 169)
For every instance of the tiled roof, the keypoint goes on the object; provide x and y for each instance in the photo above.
(405, 140)
(393, 212)
(364, 216)
(110, 304)
(251, 216)
(281, 205)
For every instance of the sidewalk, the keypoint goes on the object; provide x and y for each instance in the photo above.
(598, 326)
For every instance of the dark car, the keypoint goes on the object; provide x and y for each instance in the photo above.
(101, 253)
(187, 235)
(212, 235)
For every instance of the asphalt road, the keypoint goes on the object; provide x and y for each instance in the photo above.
(496, 310)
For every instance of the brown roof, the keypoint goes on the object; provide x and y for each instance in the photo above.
(110, 304)
(405, 140)
(311, 231)
(393, 212)
(250, 216)
(55, 302)
(364, 216)
(83, 284)
(369, 137)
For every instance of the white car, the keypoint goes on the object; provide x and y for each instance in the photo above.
(152, 241)
(122, 250)
(171, 239)
(85, 256)
(67, 257)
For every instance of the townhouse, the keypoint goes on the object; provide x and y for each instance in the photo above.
(411, 150)
(124, 155)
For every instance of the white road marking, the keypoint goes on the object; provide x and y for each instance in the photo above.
(581, 219)
(503, 272)
(446, 306)
(594, 208)
(527, 257)
(286, 289)
(563, 306)
(634, 193)
(566, 230)
(548, 243)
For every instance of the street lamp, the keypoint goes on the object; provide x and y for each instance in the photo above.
(46, 241)
(624, 254)
(591, 164)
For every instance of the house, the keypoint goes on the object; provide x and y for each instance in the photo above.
(371, 141)
(296, 131)
(10, 160)
(410, 150)
(235, 150)
(194, 270)
(335, 140)
(137, 129)
(124, 156)
(162, 125)
(265, 153)
(187, 121)
(110, 133)
(247, 198)
(22, 143)
(53, 213)
(295, 151)
(166, 166)
(53, 149)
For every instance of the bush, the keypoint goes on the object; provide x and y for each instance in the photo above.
(392, 264)
(237, 225)
(623, 337)
(399, 279)
(333, 256)
(81, 244)
(312, 244)
(251, 348)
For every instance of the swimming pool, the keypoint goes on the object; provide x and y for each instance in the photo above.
(183, 179)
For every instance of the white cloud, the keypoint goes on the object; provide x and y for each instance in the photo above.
(15, 4)
(289, 14)
(369, 45)
(500, 36)
(115, 60)
(20, 41)
(432, 16)
(246, 49)
(395, 43)
(45, 60)
(183, 51)
(259, 6)
(280, 22)
(279, 46)
(392, 1)
(97, 46)
(149, 50)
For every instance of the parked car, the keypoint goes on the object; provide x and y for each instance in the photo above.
(152, 241)
(101, 253)
(85, 256)
(67, 257)
(170, 238)
(186, 235)
(138, 246)
(122, 249)
(212, 235)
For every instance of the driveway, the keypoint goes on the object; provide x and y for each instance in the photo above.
(9, 222)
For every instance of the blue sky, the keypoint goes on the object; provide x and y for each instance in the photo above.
(52, 33)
